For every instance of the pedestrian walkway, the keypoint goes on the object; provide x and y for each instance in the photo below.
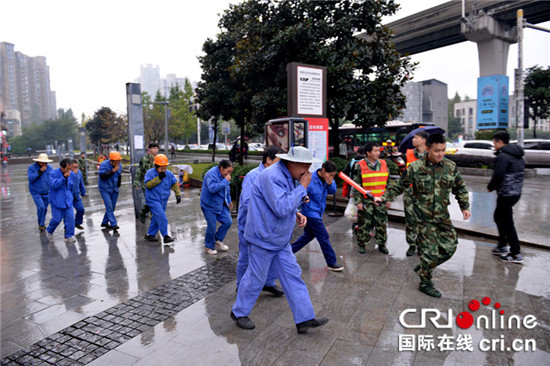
(118, 300)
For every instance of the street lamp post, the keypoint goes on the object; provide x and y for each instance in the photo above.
(165, 125)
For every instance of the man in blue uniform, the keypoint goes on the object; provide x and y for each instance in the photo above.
(78, 190)
(61, 199)
(39, 187)
(272, 210)
(108, 184)
(158, 182)
(269, 158)
(216, 205)
(322, 184)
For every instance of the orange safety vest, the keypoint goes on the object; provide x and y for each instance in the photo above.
(410, 157)
(374, 181)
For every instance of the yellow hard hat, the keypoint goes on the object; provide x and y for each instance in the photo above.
(161, 160)
(115, 155)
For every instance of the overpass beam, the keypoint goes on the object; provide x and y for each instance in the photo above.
(493, 40)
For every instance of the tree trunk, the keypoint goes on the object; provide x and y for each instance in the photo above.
(214, 140)
(534, 128)
(334, 139)
(241, 155)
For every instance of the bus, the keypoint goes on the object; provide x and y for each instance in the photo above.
(353, 136)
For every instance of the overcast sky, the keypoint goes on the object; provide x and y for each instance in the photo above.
(93, 48)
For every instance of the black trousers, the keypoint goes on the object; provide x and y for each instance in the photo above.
(504, 218)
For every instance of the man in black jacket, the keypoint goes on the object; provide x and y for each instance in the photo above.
(507, 180)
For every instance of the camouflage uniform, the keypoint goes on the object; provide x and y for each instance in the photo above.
(83, 169)
(408, 204)
(431, 184)
(372, 216)
(146, 163)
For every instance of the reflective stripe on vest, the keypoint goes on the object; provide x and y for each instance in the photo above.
(410, 157)
(374, 181)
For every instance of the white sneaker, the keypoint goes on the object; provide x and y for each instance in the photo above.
(49, 236)
(211, 251)
(221, 246)
(70, 240)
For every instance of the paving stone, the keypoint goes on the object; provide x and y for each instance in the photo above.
(92, 337)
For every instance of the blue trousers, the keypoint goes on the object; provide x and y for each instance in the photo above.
(242, 264)
(109, 200)
(224, 218)
(67, 216)
(159, 221)
(79, 207)
(316, 229)
(287, 270)
(41, 201)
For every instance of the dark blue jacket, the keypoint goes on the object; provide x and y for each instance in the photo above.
(61, 190)
(508, 173)
(39, 182)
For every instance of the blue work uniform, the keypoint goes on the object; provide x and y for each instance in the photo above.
(270, 221)
(108, 184)
(61, 199)
(78, 189)
(317, 192)
(242, 264)
(39, 187)
(157, 199)
(215, 200)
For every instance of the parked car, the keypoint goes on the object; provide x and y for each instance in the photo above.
(475, 147)
(537, 151)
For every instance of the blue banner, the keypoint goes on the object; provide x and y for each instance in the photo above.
(492, 102)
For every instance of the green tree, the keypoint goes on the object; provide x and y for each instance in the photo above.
(153, 117)
(244, 69)
(106, 127)
(183, 122)
(537, 94)
(455, 127)
(37, 136)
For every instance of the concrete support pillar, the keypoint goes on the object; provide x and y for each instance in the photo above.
(493, 40)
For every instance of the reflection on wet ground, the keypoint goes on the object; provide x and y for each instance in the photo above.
(48, 287)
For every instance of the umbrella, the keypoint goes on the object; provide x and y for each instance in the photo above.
(406, 143)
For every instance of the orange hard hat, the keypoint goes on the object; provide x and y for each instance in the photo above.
(115, 155)
(161, 160)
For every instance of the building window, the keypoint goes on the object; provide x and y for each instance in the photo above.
(471, 111)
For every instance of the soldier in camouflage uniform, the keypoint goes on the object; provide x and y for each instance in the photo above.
(419, 143)
(432, 179)
(372, 174)
(83, 167)
(146, 163)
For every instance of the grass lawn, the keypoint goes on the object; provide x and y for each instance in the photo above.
(197, 170)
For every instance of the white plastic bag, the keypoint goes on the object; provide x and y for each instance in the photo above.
(351, 211)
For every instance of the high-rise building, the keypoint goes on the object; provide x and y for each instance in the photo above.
(25, 85)
(151, 82)
(150, 79)
(426, 102)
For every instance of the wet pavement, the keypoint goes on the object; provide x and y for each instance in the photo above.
(119, 300)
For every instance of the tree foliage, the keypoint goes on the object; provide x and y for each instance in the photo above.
(153, 117)
(537, 94)
(106, 127)
(38, 136)
(455, 127)
(183, 122)
(244, 69)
